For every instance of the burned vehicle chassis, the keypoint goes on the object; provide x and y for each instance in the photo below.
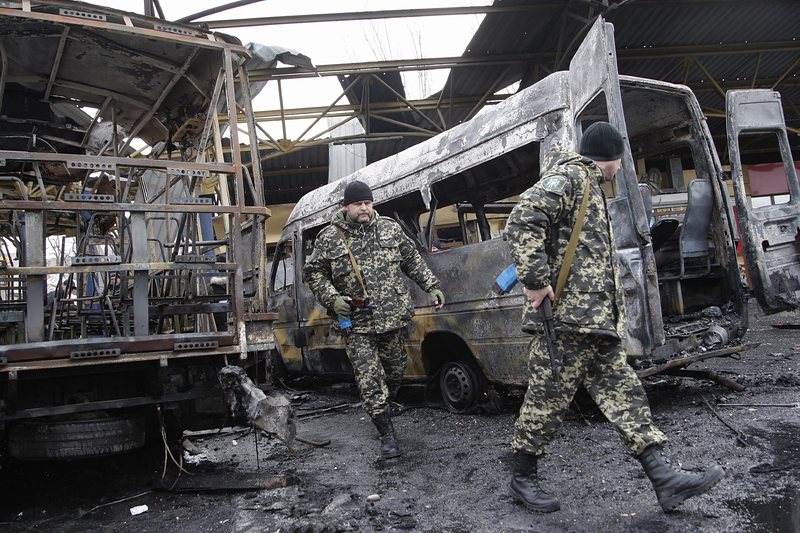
(150, 230)
(684, 293)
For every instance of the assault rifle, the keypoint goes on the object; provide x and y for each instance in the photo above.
(546, 315)
(502, 285)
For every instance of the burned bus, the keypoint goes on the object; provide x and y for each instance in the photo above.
(682, 281)
(125, 283)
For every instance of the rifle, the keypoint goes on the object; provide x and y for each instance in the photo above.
(546, 315)
(502, 285)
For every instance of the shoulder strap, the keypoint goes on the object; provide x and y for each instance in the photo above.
(352, 261)
(573, 241)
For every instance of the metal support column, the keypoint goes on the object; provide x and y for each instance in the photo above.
(140, 254)
(35, 284)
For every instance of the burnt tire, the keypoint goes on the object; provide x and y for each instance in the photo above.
(77, 437)
(461, 386)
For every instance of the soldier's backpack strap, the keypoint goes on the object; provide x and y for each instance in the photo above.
(573, 242)
(352, 261)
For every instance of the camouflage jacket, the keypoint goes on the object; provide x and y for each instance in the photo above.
(591, 301)
(382, 252)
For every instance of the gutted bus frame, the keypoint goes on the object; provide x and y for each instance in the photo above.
(138, 214)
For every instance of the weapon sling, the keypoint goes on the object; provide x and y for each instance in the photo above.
(546, 308)
(353, 262)
(573, 242)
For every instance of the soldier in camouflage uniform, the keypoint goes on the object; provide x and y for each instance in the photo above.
(373, 294)
(589, 322)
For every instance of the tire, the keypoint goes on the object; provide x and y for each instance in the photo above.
(461, 386)
(76, 437)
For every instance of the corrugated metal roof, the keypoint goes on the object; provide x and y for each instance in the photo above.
(697, 42)
(647, 34)
(288, 177)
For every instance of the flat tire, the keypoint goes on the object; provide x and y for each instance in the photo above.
(76, 437)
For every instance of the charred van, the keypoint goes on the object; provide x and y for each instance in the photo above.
(674, 224)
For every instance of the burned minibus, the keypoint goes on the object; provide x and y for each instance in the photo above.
(125, 283)
(682, 283)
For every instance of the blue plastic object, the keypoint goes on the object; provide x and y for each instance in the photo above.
(506, 280)
(345, 324)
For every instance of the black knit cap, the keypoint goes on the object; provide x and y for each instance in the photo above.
(602, 142)
(356, 191)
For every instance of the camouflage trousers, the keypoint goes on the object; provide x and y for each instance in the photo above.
(600, 364)
(379, 362)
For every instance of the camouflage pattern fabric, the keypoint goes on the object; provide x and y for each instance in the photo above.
(383, 252)
(379, 362)
(539, 229)
(600, 364)
(589, 313)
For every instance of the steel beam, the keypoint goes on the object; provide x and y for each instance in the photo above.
(34, 284)
(140, 252)
(372, 15)
(627, 54)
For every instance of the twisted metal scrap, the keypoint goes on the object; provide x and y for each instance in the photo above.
(270, 412)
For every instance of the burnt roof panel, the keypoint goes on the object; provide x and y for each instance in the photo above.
(656, 39)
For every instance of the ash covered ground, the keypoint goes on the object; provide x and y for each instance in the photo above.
(454, 473)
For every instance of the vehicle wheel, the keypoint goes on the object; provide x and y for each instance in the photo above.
(461, 386)
(77, 436)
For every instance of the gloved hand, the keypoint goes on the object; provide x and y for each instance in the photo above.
(438, 298)
(341, 306)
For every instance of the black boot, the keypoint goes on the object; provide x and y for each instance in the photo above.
(672, 485)
(389, 447)
(525, 485)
